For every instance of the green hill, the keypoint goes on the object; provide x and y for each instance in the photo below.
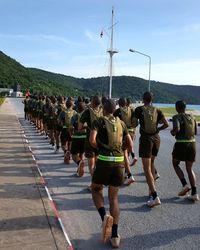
(41, 81)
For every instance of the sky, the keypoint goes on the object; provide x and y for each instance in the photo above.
(63, 36)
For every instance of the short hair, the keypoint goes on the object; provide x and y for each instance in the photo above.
(80, 99)
(103, 99)
(69, 103)
(109, 106)
(60, 98)
(128, 101)
(80, 106)
(122, 102)
(147, 96)
(181, 105)
(96, 101)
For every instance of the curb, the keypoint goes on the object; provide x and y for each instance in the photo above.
(44, 182)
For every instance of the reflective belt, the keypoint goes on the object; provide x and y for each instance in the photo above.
(78, 136)
(130, 129)
(111, 158)
(65, 126)
(192, 140)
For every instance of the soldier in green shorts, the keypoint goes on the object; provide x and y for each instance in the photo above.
(51, 120)
(149, 118)
(125, 113)
(107, 134)
(93, 111)
(78, 140)
(184, 130)
(25, 102)
(45, 115)
(60, 106)
(66, 132)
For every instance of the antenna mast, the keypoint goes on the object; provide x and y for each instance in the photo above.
(111, 53)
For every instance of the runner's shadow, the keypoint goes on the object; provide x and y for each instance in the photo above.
(161, 238)
(94, 243)
(177, 200)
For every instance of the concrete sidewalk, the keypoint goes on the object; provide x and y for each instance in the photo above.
(26, 218)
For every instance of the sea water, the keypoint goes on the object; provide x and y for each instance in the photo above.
(170, 105)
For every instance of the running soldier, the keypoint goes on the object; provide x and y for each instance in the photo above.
(26, 109)
(89, 115)
(51, 120)
(45, 116)
(65, 121)
(149, 117)
(108, 133)
(125, 114)
(184, 130)
(60, 106)
(78, 140)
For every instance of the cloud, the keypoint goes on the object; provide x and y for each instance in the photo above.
(192, 27)
(168, 31)
(184, 71)
(40, 37)
(90, 35)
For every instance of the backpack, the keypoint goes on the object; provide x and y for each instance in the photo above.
(114, 132)
(52, 110)
(68, 115)
(45, 108)
(188, 123)
(95, 113)
(59, 108)
(40, 105)
(126, 116)
(150, 119)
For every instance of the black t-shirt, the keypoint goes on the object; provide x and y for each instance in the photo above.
(85, 118)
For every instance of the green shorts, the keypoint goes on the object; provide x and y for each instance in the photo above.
(108, 173)
(149, 146)
(40, 115)
(65, 136)
(184, 151)
(34, 113)
(50, 124)
(77, 146)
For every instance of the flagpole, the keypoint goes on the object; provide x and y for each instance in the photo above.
(111, 53)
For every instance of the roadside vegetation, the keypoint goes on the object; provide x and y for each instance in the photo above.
(169, 112)
(2, 100)
(48, 83)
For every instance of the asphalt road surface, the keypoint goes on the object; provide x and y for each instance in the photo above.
(173, 225)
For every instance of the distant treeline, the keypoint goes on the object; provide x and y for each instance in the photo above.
(40, 81)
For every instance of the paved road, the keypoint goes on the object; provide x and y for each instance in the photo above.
(173, 225)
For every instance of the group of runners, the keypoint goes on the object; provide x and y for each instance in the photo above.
(95, 129)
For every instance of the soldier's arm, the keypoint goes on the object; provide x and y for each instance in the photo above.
(135, 117)
(82, 121)
(162, 120)
(92, 139)
(127, 143)
(164, 123)
(176, 127)
(195, 128)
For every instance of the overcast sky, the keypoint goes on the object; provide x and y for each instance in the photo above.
(63, 36)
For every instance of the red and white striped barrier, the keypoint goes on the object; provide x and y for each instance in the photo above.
(43, 181)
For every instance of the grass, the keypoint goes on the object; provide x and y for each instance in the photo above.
(2, 99)
(169, 112)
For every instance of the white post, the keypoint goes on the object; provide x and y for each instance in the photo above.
(111, 53)
(132, 50)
